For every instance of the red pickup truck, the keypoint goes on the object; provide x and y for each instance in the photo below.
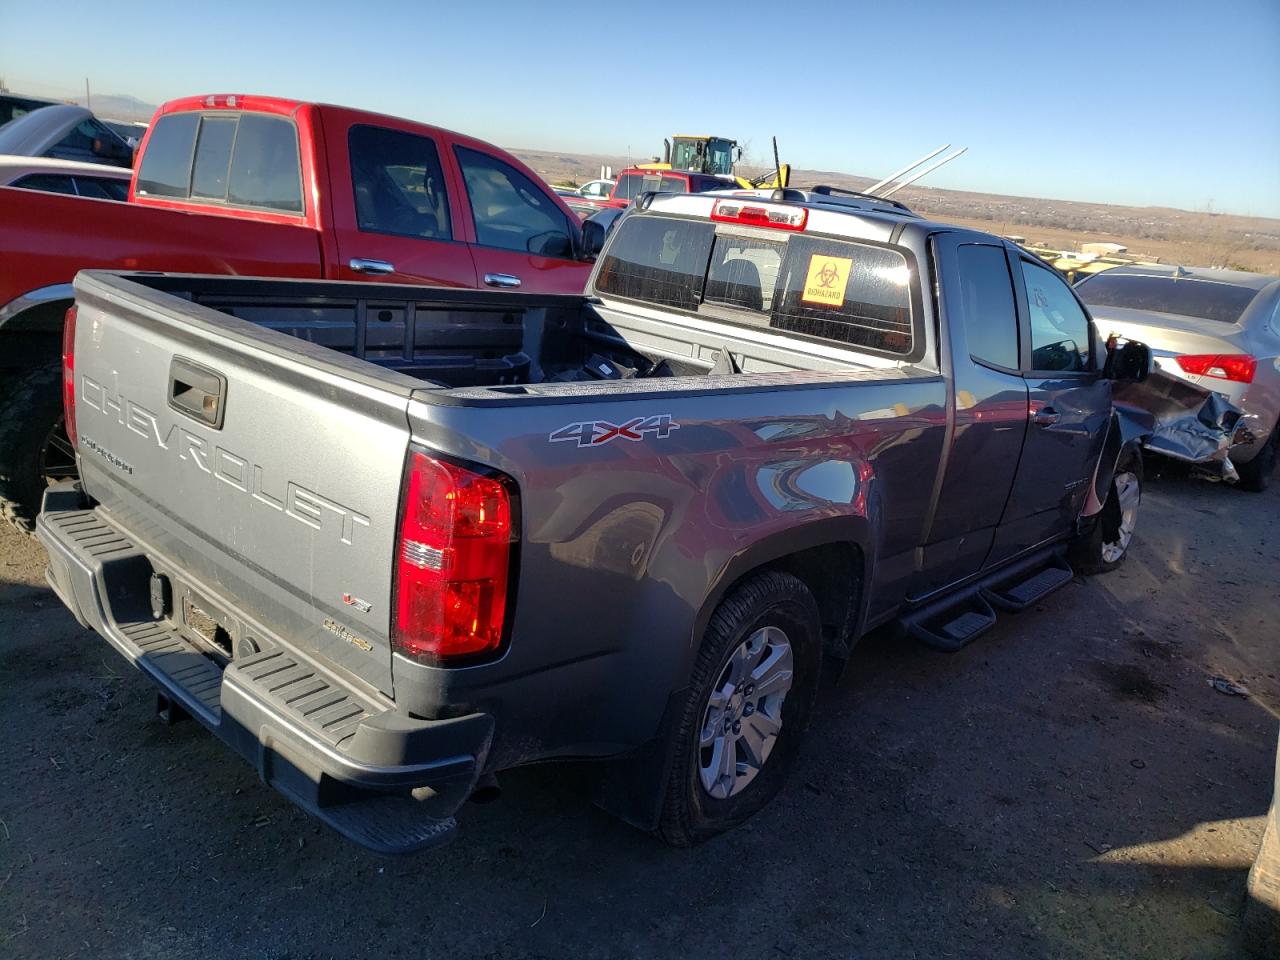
(264, 187)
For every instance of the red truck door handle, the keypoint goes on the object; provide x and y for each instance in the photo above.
(501, 280)
(1045, 417)
(361, 265)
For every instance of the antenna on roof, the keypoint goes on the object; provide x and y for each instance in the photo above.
(929, 169)
(909, 167)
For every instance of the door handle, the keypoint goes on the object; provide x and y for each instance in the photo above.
(361, 265)
(501, 280)
(1045, 417)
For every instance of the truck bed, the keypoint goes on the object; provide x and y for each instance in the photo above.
(478, 339)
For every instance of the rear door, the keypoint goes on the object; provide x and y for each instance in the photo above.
(523, 239)
(396, 213)
(266, 469)
(1068, 410)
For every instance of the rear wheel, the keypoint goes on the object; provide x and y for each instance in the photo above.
(1256, 474)
(34, 449)
(751, 694)
(1104, 542)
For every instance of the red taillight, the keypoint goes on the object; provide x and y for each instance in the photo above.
(69, 373)
(452, 562)
(774, 215)
(1225, 366)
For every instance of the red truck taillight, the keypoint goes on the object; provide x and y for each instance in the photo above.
(453, 561)
(1239, 367)
(69, 373)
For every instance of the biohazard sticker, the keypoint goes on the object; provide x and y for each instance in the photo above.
(826, 281)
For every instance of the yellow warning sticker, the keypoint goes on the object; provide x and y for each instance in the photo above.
(826, 281)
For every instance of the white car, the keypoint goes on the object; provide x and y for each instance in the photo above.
(65, 176)
(596, 189)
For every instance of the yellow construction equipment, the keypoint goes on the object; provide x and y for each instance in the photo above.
(717, 156)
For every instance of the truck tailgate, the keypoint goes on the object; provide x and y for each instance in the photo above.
(263, 471)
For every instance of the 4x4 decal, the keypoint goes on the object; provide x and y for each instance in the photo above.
(589, 433)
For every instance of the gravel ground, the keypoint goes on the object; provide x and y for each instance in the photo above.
(1068, 786)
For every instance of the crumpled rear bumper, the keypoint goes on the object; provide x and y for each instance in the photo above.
(384, 780)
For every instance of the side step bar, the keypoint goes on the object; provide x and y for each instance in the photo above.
(955, 621)
(1016, 590)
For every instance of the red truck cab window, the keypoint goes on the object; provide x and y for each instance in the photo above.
(242, 160)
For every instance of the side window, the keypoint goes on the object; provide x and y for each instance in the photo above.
(166, 163)
(398, 184)
(1059, 327)
(213, 158)
(102, 188)
(990, 318)
(265, 169)
(510, 211)
(48, 182)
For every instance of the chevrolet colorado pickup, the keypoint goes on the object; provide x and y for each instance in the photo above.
(387, 541)
(264, 187)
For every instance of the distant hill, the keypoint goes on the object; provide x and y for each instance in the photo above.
(111, 106)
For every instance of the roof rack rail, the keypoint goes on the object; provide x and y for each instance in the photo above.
(829, 191)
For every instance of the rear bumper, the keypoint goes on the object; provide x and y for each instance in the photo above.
(383, 779)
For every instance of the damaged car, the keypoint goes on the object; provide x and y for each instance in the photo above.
(1216, 329)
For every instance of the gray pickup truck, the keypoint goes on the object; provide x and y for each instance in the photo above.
(387, 541)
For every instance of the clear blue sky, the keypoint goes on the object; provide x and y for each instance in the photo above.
(1162, 103)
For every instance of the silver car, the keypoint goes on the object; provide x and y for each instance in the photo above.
(1216, 328)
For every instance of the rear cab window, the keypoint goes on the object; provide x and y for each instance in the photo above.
(854, 293)
(243, 160)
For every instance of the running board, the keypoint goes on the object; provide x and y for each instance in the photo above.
(953, 625)
(1018, 590)
(954, 621)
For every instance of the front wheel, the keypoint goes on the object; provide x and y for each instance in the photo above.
(1104, 541)
(751, 694)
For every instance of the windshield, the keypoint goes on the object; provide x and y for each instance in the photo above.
(721, 157)
(1184, 296)
(685, 155)
(852, 293)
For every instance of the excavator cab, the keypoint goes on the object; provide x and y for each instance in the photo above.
(713, 155)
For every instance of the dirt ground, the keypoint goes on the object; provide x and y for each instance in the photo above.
(1069, 786)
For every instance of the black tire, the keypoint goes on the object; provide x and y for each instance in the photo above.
(1093, 549)
(1256, 474)
(690, 814)
(33, 442)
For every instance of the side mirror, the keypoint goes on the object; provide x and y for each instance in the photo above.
(593, 234)
(1130, 362)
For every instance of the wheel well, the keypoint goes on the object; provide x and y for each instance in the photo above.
(833, 574)
(33, 336)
